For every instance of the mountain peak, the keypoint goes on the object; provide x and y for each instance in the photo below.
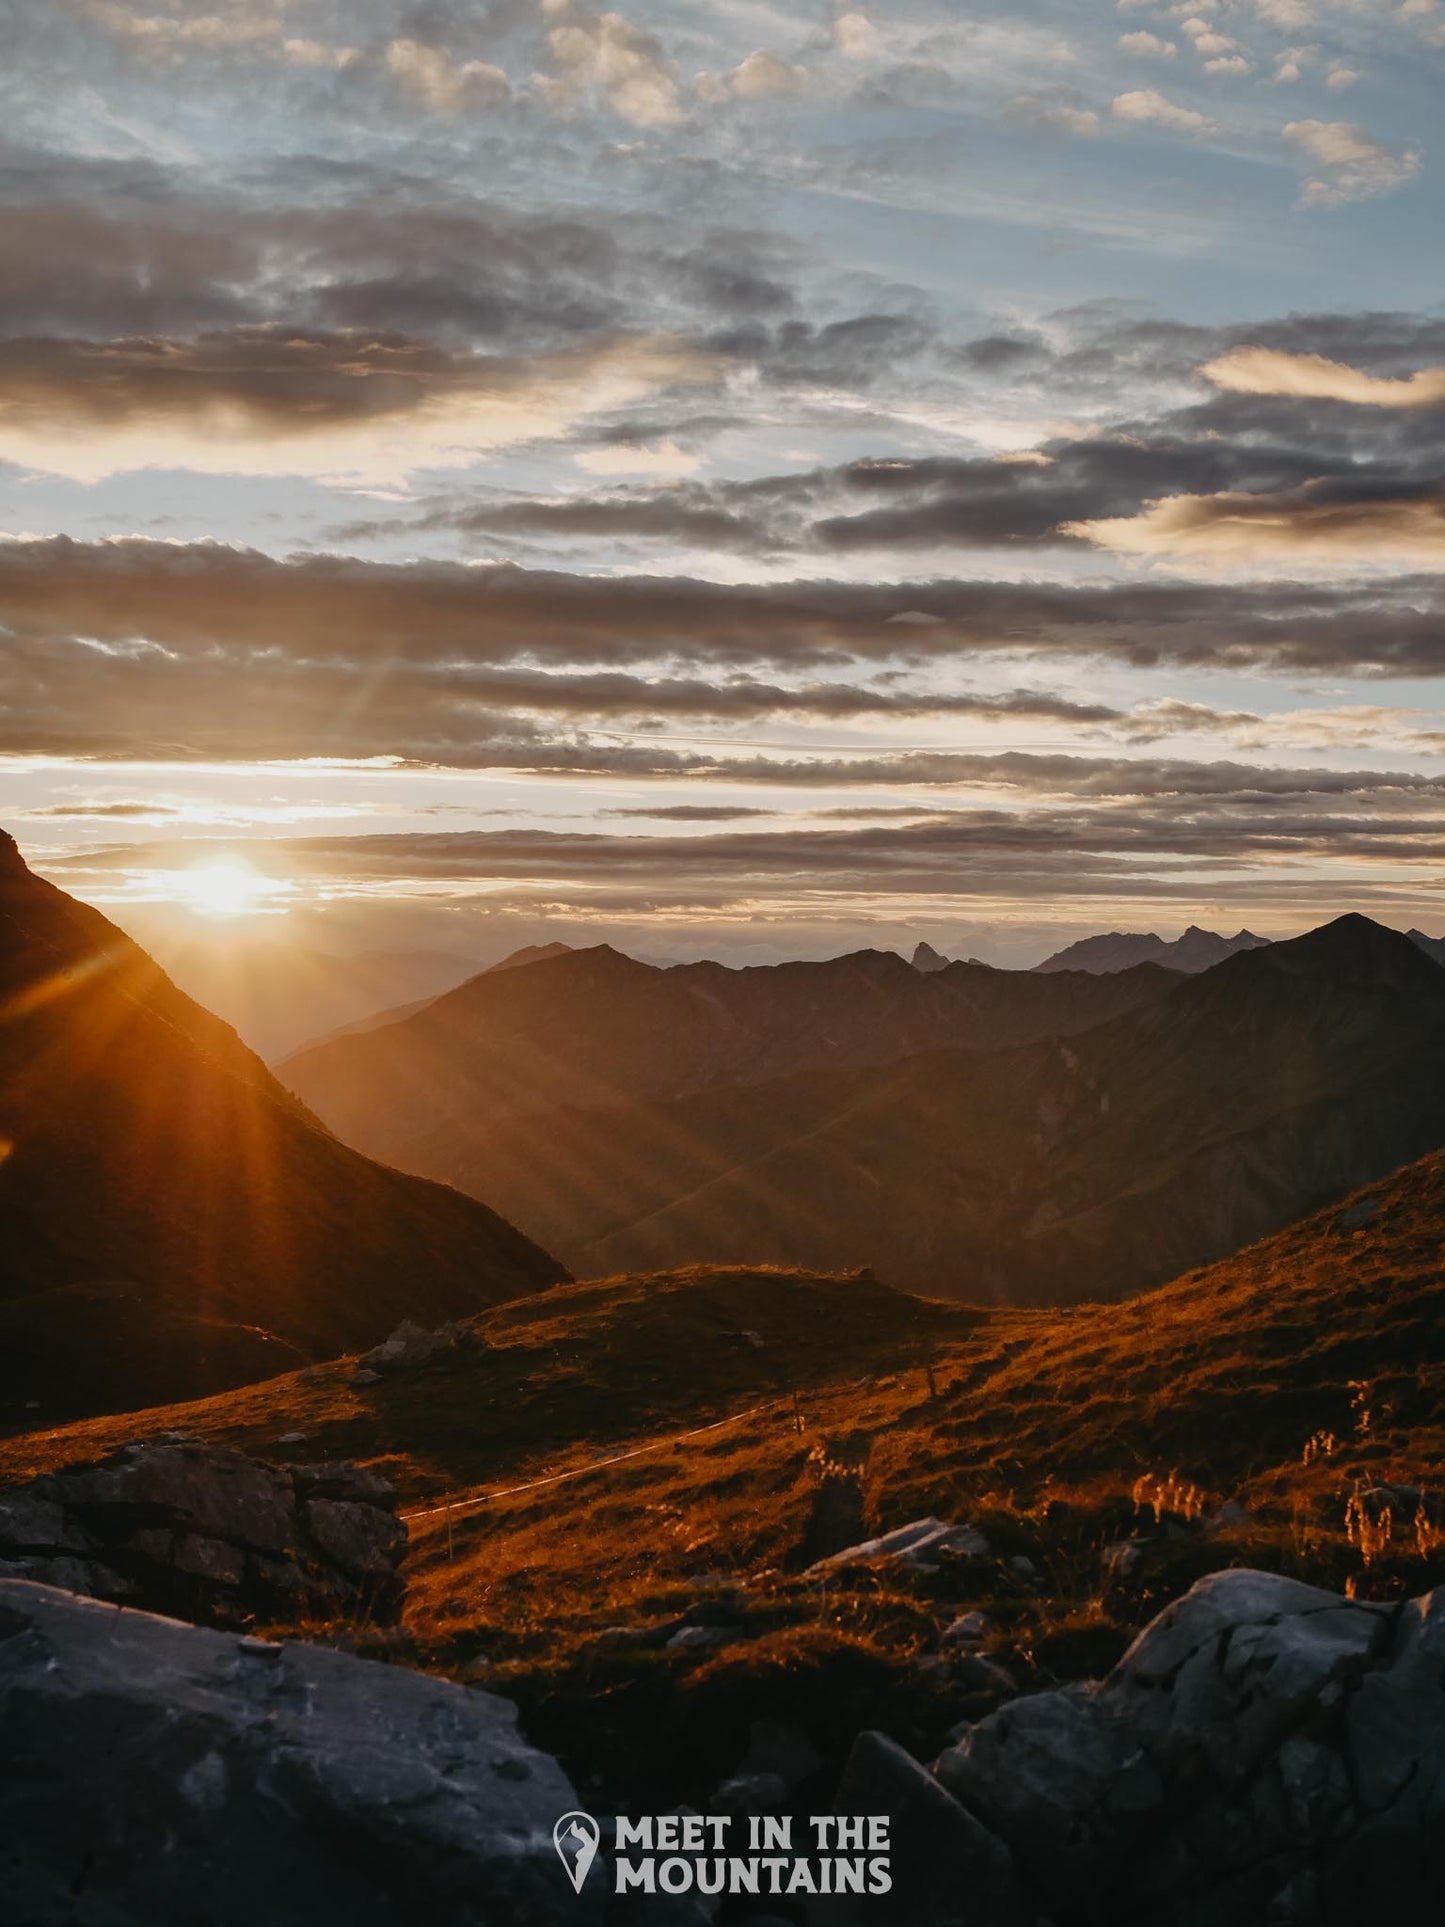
(926, 958)
(1350, 950)
(11, 861)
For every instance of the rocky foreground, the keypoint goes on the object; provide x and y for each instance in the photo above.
(1265, 1752)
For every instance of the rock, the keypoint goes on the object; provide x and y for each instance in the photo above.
(1264, 1750)
(979, 1675)
(407, 1350)
(969, 1629)
(1121, 1561)
(702, 1639)
(363, 1376)
(1024, 1567)
(175, 1525)
(750, 1793)
(159, 1775)
(948, 1869)
(913, 1544)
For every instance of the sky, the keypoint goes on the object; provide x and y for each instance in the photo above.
(724, 478)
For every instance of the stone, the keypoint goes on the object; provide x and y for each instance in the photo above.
(1122, 1560)
(916, 1544)
(158, 1775)
(179, 1526)
(1263, 1751)
(701, 1639)
(969, 1629)
(750, 1793)
(407, 1350)
(947, 1868)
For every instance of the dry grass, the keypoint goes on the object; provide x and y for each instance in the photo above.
(1059, 1433)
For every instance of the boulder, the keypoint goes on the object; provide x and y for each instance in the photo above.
(172, 1524)
(947, 1868)
(160, 1775)
(408, 1349)
(1264, 1750)
(915, 1545)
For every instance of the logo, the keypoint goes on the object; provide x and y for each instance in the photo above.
(576, 1837)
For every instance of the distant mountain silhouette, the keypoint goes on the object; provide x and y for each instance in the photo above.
(926, 958)
(595, 1028)
(1432, 946)
(532, 953)
(1094, 1165)
(171, 1219)
(1196, 950)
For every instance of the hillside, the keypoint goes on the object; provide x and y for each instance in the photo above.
(1280, 1384)
(171, 1219)
(592, 1028)
(1095, 1166)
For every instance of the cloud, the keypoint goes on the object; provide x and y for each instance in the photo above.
(606, 56)
(634, 458)
(1326, 520)
(177, 652)
(1052, 114)
(268, 401)
(1148, 107)
(1111, 828)
(434, 79)
(762, 76)
(855, 36)
(1270, 371)
(1148, 45)
(1353, 165)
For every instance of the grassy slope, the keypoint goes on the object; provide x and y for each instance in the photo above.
(1043, 1424)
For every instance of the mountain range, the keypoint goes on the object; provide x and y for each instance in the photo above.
(1045, 1153)
(593, 1028)
(171, 1218)
(1196, 950)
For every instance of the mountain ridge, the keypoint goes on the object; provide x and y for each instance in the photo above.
(172, 1217)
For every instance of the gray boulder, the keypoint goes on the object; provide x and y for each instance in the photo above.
(947, 1868)
(1263, 1751)
(173, 1524)
(161, 1775)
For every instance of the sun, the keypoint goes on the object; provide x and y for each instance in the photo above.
(225, 888)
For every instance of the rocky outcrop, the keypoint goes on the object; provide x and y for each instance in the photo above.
(1264, 1752)
(160, 1775)
(175, 1525)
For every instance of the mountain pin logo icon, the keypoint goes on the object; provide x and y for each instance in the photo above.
(576, 1837)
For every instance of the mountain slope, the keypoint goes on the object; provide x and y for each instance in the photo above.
(592, 1028)
(1088, 1167)
(1196, 950)
(171, 1219)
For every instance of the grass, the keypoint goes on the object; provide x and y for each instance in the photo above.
(1293, 1381)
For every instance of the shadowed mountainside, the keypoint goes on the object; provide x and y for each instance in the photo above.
(594, 1028)
(1092, 1166)
(171, 1219)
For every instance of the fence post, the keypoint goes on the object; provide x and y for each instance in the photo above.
(797, 1412)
